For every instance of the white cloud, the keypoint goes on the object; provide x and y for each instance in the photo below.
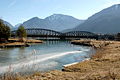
(12, 3)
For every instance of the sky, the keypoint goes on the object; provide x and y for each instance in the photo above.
(18, 11)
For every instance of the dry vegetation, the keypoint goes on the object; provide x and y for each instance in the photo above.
(26, 40)
(104, 65)
(14, 42)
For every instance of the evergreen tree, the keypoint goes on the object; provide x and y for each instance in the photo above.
(118, 37)
(4, 31)
(21, 33)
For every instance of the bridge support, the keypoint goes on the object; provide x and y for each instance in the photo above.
(62, 38)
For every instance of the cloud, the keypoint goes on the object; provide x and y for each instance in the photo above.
(12, 3)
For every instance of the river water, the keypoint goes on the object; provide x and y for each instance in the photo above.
(50, 55)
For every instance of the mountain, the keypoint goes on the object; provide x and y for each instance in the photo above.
(16, 26)
(8, 24)
(56, 22)
(105, 21)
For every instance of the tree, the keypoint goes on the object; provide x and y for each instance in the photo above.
(4, 31)
(118, 37)
(21, 33)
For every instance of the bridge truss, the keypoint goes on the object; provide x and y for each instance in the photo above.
(38, 32)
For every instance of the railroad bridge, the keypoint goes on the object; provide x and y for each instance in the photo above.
(38, 32)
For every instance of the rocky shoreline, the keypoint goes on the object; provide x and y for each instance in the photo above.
(104, 65)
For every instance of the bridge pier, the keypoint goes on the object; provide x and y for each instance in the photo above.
(62, 38)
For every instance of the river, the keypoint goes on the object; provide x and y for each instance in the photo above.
(47, 56)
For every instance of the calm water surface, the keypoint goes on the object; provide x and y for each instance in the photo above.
(42, 57)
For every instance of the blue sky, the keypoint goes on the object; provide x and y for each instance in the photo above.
(18, 11)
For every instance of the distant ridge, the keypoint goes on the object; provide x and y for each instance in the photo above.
(105, 21)
(7, 23)
(58, 22)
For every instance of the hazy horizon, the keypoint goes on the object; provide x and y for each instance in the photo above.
(18, 11)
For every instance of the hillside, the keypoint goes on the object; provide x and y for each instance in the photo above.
(105, 21)
(56, 22)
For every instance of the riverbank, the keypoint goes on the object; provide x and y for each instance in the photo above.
(92, 43)
(15, 43)
(26, 40)
(104, 65)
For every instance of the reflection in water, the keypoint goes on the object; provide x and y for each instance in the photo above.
(47, 56)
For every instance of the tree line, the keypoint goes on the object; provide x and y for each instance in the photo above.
(5, 32)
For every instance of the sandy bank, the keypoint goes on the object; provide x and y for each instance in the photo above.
(26, 40)
(15, 43)
(33, 41)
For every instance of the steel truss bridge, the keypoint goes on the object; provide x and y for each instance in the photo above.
(38, 32)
